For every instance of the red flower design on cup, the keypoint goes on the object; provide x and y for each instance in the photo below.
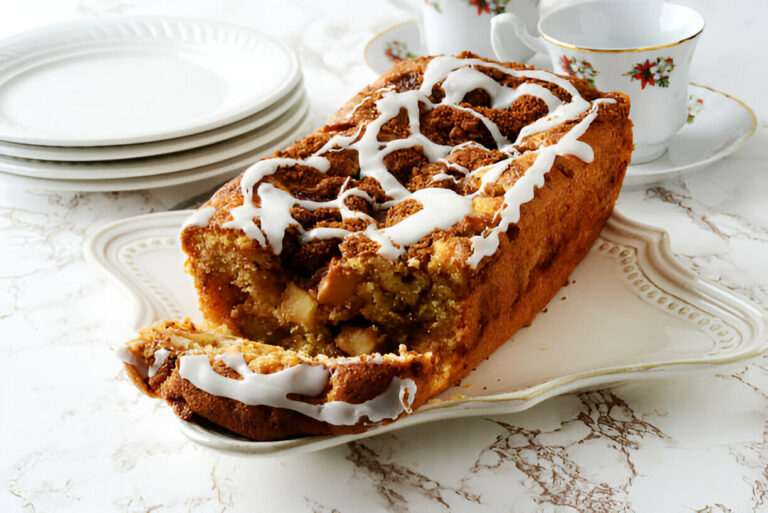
(653, 73)
(566, 64)
(489, 6)
(481, 5)
(434, 4)
(576, 68)
(695, 106)
(397, 51)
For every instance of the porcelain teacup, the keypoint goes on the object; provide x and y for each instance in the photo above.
(642, 49)
(452, 26)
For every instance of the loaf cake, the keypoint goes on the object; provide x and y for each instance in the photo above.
(370, 265)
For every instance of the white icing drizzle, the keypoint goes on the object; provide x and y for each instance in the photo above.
(199, 218)
(146, 371)
(498, 138)
(524, 188)
(159, 359)
(362, 102)
(307, 380)
(127, 356)
(463, 80)
(441, 208)
(276, 206)
(443, 176)
(370, 359)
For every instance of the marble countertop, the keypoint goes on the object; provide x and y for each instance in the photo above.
(76, 436)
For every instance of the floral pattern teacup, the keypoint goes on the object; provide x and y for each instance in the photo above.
(627, 46)
(452, 26)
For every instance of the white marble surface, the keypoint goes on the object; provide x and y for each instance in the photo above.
(76, 436)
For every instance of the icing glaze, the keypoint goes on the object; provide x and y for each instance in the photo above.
(127, 356)
(145, 371)
(441, 208)
(273, 389)
(524, 188)
(159, 359)
(302, 379)
(200, 218)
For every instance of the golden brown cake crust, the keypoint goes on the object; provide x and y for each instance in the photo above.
(428, 314)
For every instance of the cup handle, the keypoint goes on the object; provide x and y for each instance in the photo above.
(504, 28)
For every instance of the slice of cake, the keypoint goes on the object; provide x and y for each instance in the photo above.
(372, 264)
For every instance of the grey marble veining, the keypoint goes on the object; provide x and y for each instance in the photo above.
(75, 436)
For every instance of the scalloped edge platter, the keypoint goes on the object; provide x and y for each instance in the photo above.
(629, 312)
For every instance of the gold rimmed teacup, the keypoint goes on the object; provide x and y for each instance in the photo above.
(641, 48)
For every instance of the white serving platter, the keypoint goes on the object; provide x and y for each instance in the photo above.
(149, 149)
(134, 80)
(629, 312)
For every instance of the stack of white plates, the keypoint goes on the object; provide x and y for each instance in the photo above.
(137, 103)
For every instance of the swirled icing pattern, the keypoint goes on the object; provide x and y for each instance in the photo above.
(441, 208)
(309, 380)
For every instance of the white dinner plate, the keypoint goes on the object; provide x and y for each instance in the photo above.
(134, 80)
(219, 170)
(132, 151)
(718, 124)
(158, 165)
(629, 312)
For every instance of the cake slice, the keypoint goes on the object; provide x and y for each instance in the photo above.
(372, 264)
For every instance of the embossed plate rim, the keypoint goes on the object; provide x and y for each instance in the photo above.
(229, 167)
(47, 45)
(163, 164)
(653, 256)
(162, 147)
